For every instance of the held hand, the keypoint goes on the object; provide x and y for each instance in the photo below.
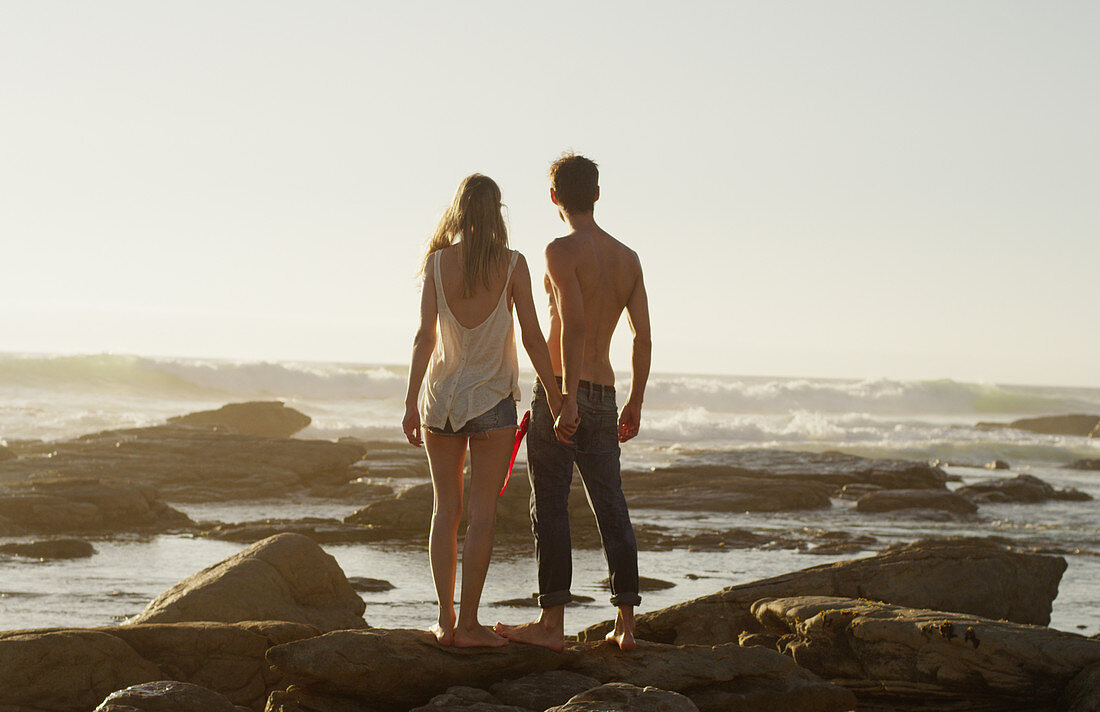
(629, 421)
(567, 421)
(411, 426)
(554, 400)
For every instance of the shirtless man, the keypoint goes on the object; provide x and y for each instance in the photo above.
(591, 278)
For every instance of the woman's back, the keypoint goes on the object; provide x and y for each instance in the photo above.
(471, 311)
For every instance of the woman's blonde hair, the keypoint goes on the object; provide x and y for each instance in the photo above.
(474, 215)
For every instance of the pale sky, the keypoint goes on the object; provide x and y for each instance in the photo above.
(851, 189)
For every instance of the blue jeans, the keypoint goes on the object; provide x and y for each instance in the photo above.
(550, 466)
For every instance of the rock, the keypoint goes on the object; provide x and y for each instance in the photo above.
(910, 655)
(193, 464)
(78, 504)
(1086, 464)
(71, 670)
(269, 419)
(541, 690)
(967, 575)
(833, 468)
(404, 668)
(67, 670)
(696, 489)
(998, 465)
(621, 697)
(857, 490)
(463, 699)
(165, 696)
(401, 667)
(1077, 424)
(1082, 694)
(1021, 488)
(50, 549)
(532, 602)
(833, 543)
(894, 500)
(369, 585)
(644, 584)
(319, 529)
(284, 578)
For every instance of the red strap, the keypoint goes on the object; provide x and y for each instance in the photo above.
(515, 448)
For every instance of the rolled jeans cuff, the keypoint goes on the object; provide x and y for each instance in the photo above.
(626, 599)
(554, 598)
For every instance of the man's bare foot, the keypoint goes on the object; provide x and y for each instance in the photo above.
(533, 633)
(623, 633)
(622, 638)
(443, 635)
(478, 637)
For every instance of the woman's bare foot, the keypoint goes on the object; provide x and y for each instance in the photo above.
(444, 635)
(534, 633)
(477, 636)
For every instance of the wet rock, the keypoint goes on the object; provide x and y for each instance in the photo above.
(532, 602)
(195, 464)
(541, 690)
(833, 468)
(270, 419)
(53, 504)
(167, 696)
(319, 529)
(285, 578)
(1077, 424)
(856, 490)
(1021, 488)
(969, 576)
(894, 500)
(1086, 464)
(50, 549)
(369, 585)
(621, 697)
(703, 490)
(405, 668)
(644, 584)
(998, 465)
(401, 667)
(833, 543)
(908, 655)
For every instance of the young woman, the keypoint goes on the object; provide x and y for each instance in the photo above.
(471, 282)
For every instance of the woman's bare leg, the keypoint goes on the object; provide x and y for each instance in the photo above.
(489, 455)
(446, 458)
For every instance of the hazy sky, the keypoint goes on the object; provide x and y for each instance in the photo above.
(862, 189)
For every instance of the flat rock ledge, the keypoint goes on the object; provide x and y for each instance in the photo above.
(50, 504)
(269, 419)
(972, 576)
(390, 670)
(895, 500)
(903, 656)
(287, 577)
(74, 670)
(1026, 489)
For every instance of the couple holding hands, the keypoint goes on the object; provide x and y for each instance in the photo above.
(466, 346)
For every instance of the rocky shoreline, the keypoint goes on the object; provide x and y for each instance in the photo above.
(956, 624)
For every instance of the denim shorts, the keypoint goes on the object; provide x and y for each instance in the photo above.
(501, 415)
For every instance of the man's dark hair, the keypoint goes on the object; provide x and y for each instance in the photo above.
(576, 181)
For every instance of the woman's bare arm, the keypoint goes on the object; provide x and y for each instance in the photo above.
(423, 346)
(534, 343)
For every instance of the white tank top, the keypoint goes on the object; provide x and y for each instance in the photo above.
(471, 369)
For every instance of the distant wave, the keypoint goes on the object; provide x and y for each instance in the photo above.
(208, 379)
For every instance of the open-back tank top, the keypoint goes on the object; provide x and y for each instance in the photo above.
(472, 369)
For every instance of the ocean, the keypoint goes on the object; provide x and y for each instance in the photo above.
(57, 397)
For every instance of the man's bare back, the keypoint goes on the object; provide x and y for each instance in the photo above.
(607, 273)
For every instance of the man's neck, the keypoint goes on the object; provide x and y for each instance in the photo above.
(580, 222)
